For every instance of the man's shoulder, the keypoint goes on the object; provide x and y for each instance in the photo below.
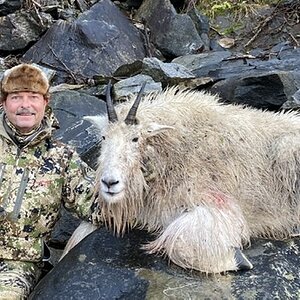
(60, 146)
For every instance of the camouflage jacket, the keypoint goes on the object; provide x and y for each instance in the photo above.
(34, 181)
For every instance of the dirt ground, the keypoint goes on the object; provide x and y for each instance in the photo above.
(259, 27)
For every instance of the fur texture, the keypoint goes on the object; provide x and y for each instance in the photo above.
(23, 78)
(205, 177)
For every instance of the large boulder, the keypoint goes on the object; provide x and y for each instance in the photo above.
(103, 266)
(173, 34)
(70, 107)
(97, 43)
(103, 273)
(270, 90)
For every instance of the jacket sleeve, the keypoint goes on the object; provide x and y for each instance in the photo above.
(78, 191)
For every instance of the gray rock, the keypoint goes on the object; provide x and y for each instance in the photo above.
(173, 34)
(97, 43)
(293, 103)
(70, 107)
(128, 70)
(63, 229)
(132, 85)
(240, 65)
(202, 25)
(106, 267)
(166, 73)
(204, 63)
(21, 28)
(266, 91)
(9, 6)
(101, 273)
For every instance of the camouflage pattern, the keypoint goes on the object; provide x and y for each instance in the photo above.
(17, 279)
(34, 181)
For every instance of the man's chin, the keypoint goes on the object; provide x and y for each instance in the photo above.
(25, 126)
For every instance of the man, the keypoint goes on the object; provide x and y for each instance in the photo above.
(37, 174)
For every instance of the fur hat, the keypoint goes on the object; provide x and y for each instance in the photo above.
(23, 78)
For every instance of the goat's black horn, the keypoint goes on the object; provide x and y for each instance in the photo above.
(130, 119)
(112, 115)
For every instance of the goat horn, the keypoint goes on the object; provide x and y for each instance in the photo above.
(112, 115)
(130, 119)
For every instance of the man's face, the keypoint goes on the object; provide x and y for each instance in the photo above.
(25, 110)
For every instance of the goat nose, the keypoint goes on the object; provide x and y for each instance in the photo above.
(109, 182)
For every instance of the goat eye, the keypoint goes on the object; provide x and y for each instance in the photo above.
(103, 137)
(135, 139)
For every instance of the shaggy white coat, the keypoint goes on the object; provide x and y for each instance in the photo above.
(201, 175)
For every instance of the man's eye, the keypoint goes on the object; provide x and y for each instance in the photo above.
(34, 98)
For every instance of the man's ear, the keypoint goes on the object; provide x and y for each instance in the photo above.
(3, 104)
(154, 128)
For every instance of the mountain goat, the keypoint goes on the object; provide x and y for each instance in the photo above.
(202, 175)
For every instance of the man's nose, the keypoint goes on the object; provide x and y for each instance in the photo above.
(25, 102)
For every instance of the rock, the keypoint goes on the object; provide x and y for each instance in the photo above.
(21, 28)
(201, 23)
(63, 229)
(97, 43)
(82, 5)
(70, 107)
(293, 103)
(98, 273)
(106, 267)
(9, 6)
(166, 73)
(173, 34)
(265, 91)
(128, 70)
(203, 64)
(132, 85)
(134, 3)
(238, 65)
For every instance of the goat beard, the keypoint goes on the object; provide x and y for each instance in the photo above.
(125, 214)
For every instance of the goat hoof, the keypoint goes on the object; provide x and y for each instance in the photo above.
(242, 261)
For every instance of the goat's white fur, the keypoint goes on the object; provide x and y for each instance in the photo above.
(82, 231)
(202, 175)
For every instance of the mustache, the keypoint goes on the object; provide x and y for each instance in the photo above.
(24, 111)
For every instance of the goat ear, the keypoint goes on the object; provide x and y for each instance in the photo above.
(99, 121)
(154, 128)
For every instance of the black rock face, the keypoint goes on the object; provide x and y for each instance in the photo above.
(98, 272)
(103, 266)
